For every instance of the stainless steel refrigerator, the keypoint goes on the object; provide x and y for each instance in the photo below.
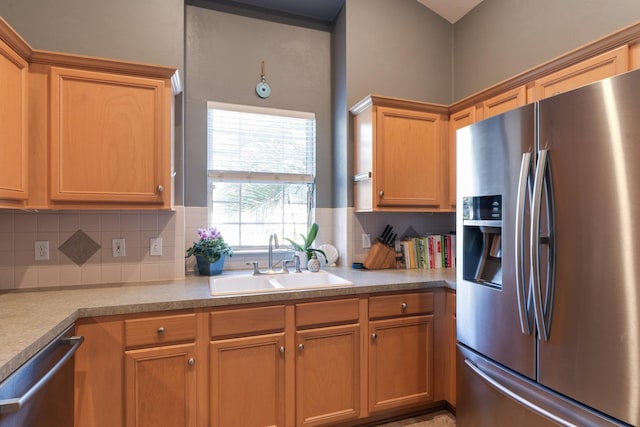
(548, 277)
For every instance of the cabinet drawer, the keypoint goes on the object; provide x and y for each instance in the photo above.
(246, 321)
(400, 305)
(327, 312)
(159, 330)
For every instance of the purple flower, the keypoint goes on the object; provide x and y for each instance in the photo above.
(211, 233)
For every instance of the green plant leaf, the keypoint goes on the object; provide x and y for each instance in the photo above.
(295, 245)
(311, 236)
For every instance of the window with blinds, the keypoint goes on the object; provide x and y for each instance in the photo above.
(261, 172)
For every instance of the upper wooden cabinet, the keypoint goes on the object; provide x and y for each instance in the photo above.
(83, 133)
(503, 102)
(103, 133)
(588, 71)
(457, 121)
(110, 138)
(14, 141)
(400, 155)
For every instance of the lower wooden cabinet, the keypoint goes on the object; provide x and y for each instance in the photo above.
(450, 357)
(400, 362)
(160, 386)
(246, 381)
(327, 375)
(344, 361)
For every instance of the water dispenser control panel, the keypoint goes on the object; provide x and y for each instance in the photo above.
(482, 252)
(482, 208)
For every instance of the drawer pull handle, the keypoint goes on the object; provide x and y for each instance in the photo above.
(404, 306)
(300, 347)
(191, 361)
(160, 330)
(374, 336)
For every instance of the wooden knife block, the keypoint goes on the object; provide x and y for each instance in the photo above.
(380, 256)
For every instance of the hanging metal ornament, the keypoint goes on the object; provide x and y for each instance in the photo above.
(262, 88)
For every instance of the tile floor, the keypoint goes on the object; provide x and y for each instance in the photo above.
(435, 419)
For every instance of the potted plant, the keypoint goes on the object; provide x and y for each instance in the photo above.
(305, 248)
(210, 251)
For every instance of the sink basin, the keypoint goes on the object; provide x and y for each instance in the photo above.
(321, 279)
(246, 284)
(241, 284)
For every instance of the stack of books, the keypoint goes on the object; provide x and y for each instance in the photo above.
(427, 252)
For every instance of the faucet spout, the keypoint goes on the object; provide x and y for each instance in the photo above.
(273, 240)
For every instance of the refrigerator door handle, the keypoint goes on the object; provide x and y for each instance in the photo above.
(522, 293)
(504, 389)
(534, 250)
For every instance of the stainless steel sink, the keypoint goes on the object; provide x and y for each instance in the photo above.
(246, 284)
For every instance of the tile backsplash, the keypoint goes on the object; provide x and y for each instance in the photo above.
(19, 230)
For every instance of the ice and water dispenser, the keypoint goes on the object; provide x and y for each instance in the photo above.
(482, 228)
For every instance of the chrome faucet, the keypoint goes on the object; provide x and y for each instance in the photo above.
(273, 240)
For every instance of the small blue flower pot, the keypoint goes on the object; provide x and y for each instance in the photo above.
(206, 268)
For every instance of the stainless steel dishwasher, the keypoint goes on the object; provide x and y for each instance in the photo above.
(40, 392)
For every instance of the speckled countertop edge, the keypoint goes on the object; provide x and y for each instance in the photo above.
(30, 320)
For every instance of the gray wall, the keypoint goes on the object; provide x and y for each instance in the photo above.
(397, 48)
(501, 38)
(149, 31)
(223, 56)
(341, 159)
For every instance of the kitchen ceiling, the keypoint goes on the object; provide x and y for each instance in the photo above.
(451, 10)
(327, 10)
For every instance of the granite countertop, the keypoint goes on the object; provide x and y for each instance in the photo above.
(30, 320)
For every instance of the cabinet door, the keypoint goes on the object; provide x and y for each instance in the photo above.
(246, 381)
(13, 128)
(503, 102)
(110, 138)
(588, 71)
(408, 159)
(450, 378)
(327, 375)
(160, 387)
(457, 121)
(401, 362)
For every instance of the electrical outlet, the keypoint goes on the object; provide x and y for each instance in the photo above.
(42, 250)
(366, 241)
(155, 247)
(118, 248)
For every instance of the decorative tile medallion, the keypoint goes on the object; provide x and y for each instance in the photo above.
(79, 247)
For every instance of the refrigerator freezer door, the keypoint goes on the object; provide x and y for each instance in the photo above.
(593, 350)
(491, 396)
(489, 159)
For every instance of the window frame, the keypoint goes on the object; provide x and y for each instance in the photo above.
(214, 175)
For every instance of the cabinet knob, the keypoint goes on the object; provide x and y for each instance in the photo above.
(160, 188)
(381, 193)
(374, 336)
(160, 330)
(281, 349)
(191, 361)
(300, 347)
(404, 306)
